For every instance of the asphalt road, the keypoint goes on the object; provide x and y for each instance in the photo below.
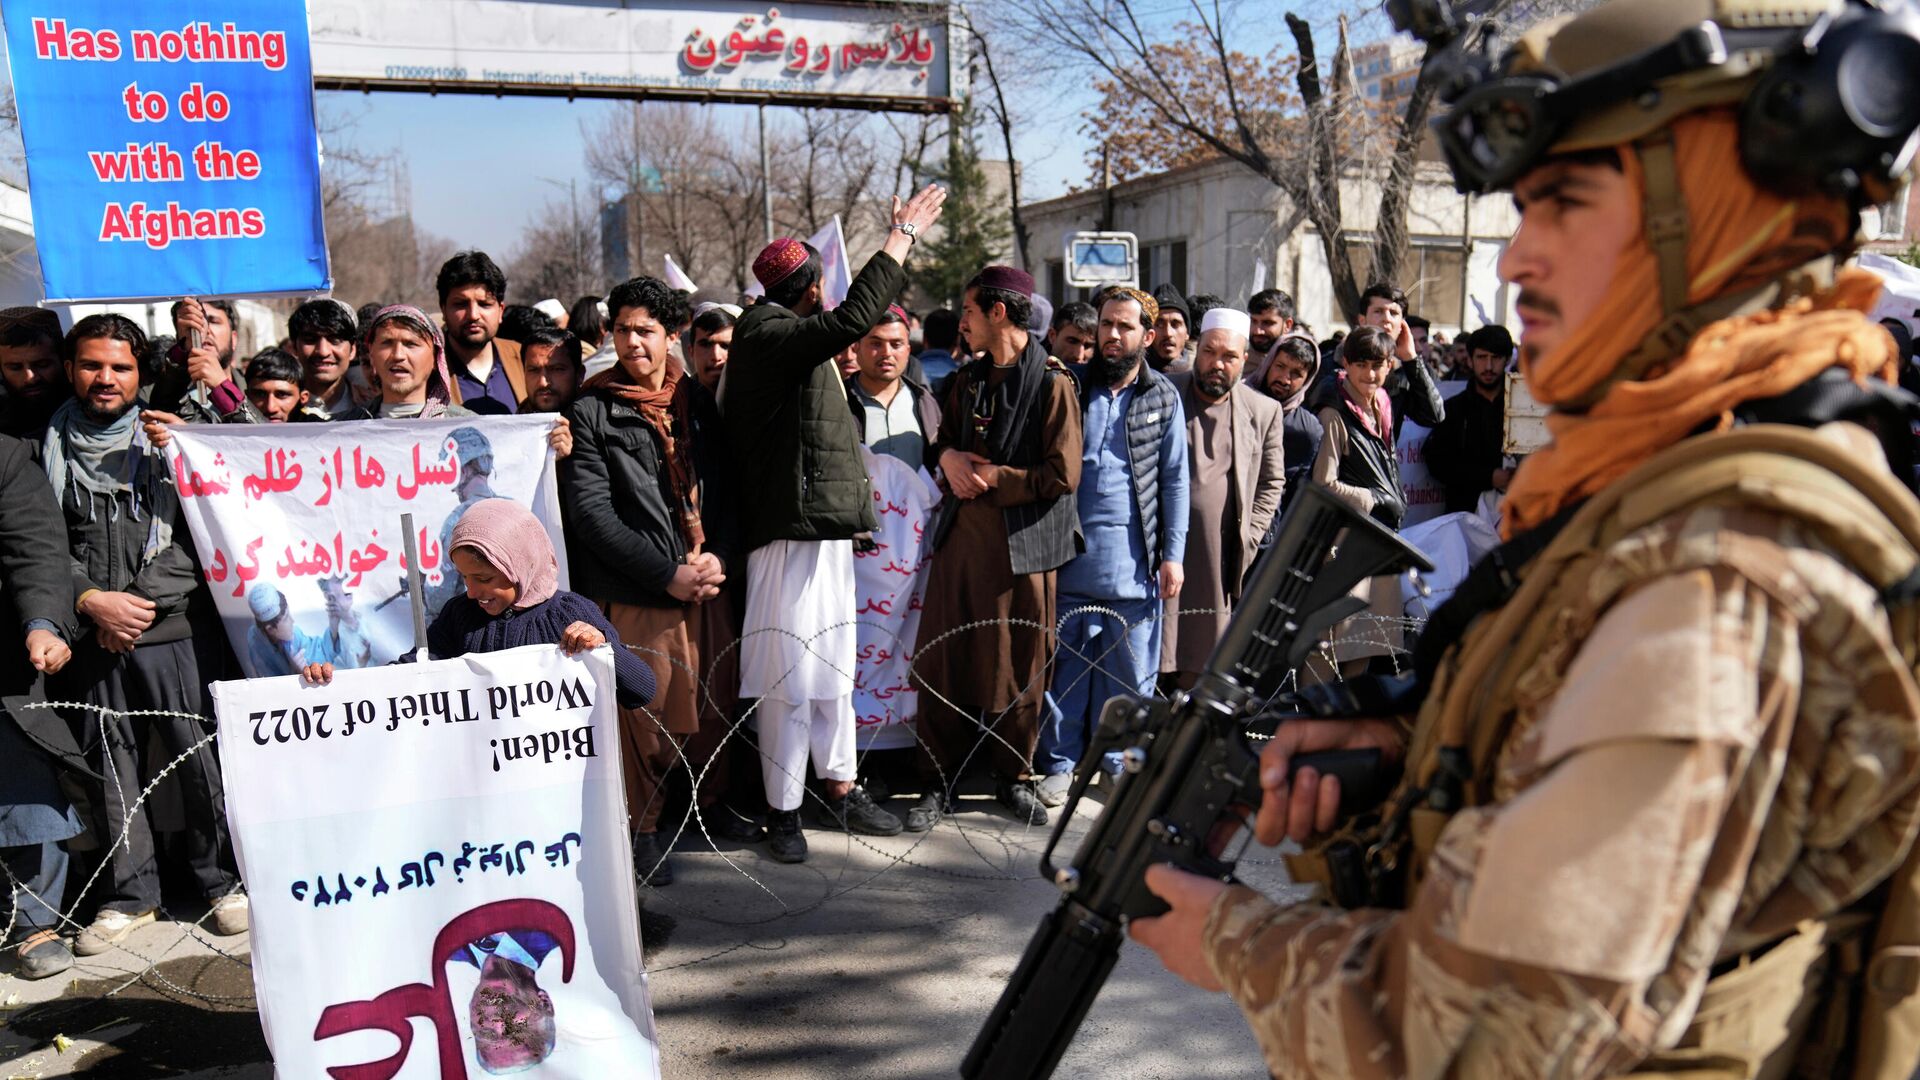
(876, 958)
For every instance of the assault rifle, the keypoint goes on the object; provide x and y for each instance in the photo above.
(1191, 778)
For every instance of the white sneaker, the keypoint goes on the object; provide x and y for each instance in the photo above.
(1053, 788)
(109, 928)
(231, 914)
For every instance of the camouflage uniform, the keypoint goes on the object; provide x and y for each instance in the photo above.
(1713, 743)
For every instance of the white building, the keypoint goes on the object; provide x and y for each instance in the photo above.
(1216, 227)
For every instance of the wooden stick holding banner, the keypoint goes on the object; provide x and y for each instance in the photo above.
(416, 590)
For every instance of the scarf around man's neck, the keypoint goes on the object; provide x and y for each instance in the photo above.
(97, 462)
(661, 408)
(1739, 236)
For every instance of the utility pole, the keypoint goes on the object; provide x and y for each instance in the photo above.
(766, 177)
(1106, 185)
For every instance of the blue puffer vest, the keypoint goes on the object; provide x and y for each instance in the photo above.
(1156, 406)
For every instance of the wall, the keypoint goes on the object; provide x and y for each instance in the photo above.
(1231, 220)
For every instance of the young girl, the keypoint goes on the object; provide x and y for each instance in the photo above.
(512, 598)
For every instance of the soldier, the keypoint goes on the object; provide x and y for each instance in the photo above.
(1669, 750)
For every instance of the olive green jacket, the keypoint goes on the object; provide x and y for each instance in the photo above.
(793, 441)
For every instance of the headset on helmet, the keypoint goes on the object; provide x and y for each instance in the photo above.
(1828, 90)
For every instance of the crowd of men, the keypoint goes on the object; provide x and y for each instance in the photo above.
(1109, 471)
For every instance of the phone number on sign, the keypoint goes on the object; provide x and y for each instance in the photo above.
(405, 71)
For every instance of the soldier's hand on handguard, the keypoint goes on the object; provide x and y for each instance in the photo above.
(1179, 936)
(1307, 804)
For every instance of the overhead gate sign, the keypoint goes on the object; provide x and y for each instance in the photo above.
(846, 55)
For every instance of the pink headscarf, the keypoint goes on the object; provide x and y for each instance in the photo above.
(509, 537)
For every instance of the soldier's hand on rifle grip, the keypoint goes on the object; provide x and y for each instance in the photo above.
(1305, 804)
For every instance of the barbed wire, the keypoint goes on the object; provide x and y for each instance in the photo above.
(1001, 860)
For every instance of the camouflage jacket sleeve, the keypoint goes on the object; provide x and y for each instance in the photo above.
(1714, 761)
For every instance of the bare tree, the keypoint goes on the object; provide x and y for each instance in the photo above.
(660, 156)
(827, 166)
(1003, 119)
(1224, 101)
(557, 255)
(691, 176)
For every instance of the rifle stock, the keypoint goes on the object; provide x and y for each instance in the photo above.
(1191, 780)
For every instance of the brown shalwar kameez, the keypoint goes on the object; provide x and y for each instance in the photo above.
(651, 738)
(998, 668)
(1198, 616)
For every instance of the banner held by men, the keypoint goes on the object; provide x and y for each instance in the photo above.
(298, 525)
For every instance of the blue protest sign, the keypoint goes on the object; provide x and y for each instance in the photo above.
(170, 146)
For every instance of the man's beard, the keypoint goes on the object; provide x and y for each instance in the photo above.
(1215, 385)
(1107, 370)
(1257, 345)
(104, 416)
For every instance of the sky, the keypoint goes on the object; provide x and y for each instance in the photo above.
(481, 168)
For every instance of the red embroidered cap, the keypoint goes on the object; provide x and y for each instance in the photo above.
(777, 260)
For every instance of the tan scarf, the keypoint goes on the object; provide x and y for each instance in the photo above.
(1740, 236)
(664, 409)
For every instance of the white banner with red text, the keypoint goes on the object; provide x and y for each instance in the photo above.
(442, 842)
(298, 525)
(890, 582)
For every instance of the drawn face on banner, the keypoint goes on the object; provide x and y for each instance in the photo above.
(401, 361)
(512, 1018)
(105, 377)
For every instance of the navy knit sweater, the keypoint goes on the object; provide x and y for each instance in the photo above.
(462, 628)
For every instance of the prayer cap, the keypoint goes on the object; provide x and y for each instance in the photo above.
(1011, 278)
(1220, 318)
(777, 260)
(266, 602)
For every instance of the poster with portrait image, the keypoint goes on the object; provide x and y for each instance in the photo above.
(439, 871)
(298, 525)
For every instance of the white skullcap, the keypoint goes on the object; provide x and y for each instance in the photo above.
(551, 308)
(1221, 318)
(265, 602)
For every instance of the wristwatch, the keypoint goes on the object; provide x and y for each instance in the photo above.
(907, 227)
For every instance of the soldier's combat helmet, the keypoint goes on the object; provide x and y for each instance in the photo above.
(1828, 91)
